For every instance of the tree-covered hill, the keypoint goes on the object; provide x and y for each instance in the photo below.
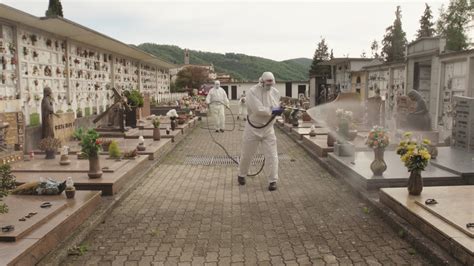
(240, 66)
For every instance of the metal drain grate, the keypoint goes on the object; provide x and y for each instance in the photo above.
(224, 160)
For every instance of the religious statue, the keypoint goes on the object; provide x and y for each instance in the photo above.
(420, 118)
(47, 112)
(116, 111)
(373, 109)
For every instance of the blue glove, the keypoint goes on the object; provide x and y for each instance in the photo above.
(277, 110)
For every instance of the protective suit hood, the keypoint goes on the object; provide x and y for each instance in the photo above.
(267, 80)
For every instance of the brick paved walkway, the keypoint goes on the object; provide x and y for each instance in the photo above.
(185, 214)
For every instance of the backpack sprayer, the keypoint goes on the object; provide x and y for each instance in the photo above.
(294, 110)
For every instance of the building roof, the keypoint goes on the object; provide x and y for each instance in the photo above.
(448, 54)
(339, 60)
(76, 32)
(378, 63)
(424, 39)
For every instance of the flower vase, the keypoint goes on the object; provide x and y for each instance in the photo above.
(156, 134)
(50, 154)
(173, 123)
(70, 193)
(378, 166)
(331, 139)
(94, 167)
(415, 183)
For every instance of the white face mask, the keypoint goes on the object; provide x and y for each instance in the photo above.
(267, 86)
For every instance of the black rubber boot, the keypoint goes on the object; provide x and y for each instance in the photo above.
(241, 180)
(272, 186)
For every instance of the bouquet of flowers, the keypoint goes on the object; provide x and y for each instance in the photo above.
(172, 113)
(378, 138)
(414, 155)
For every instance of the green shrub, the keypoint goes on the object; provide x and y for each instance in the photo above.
(87, 111)
(77, 135)
(114, 150)
(7, 182)
(135, 99)
(34, 119)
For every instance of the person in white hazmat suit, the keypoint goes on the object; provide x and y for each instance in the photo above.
(242, 107)
(217, 101)
(263, 101)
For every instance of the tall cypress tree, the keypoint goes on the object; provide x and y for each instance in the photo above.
(374, 47)
(55, 9)
(394, 41)
(426, 24)
(453, 22)
(321, 54)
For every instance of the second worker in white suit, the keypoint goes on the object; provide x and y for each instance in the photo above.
(217, 101)
(263, 101)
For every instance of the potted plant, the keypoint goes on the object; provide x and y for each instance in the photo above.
(70, 189)
(91, 146)
(114, 150)
(65, 156)
(415, 156)
(49, 146)
(378, 140)
(7, 183)
(156, 129)
(294, 117)
(135, 101)
(312, 131)
(173, 115)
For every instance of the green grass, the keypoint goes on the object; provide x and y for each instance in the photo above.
(34, 119)
(78, 250)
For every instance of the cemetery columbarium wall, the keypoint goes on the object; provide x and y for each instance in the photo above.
(77, 72)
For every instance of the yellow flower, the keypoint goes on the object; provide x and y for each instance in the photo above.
(425, 154)
(411, 147)
(426, 141)
(408, 134)
(405, 157)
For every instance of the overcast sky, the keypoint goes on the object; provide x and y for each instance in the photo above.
(276, 30)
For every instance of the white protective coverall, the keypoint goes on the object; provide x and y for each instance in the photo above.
(260, 101)
(217, 100)
(243, 106)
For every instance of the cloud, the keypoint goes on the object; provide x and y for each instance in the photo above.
(276, 30)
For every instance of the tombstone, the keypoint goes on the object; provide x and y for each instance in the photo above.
(146, 106)
(374, 105)
(64, 125)
(463, 124)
